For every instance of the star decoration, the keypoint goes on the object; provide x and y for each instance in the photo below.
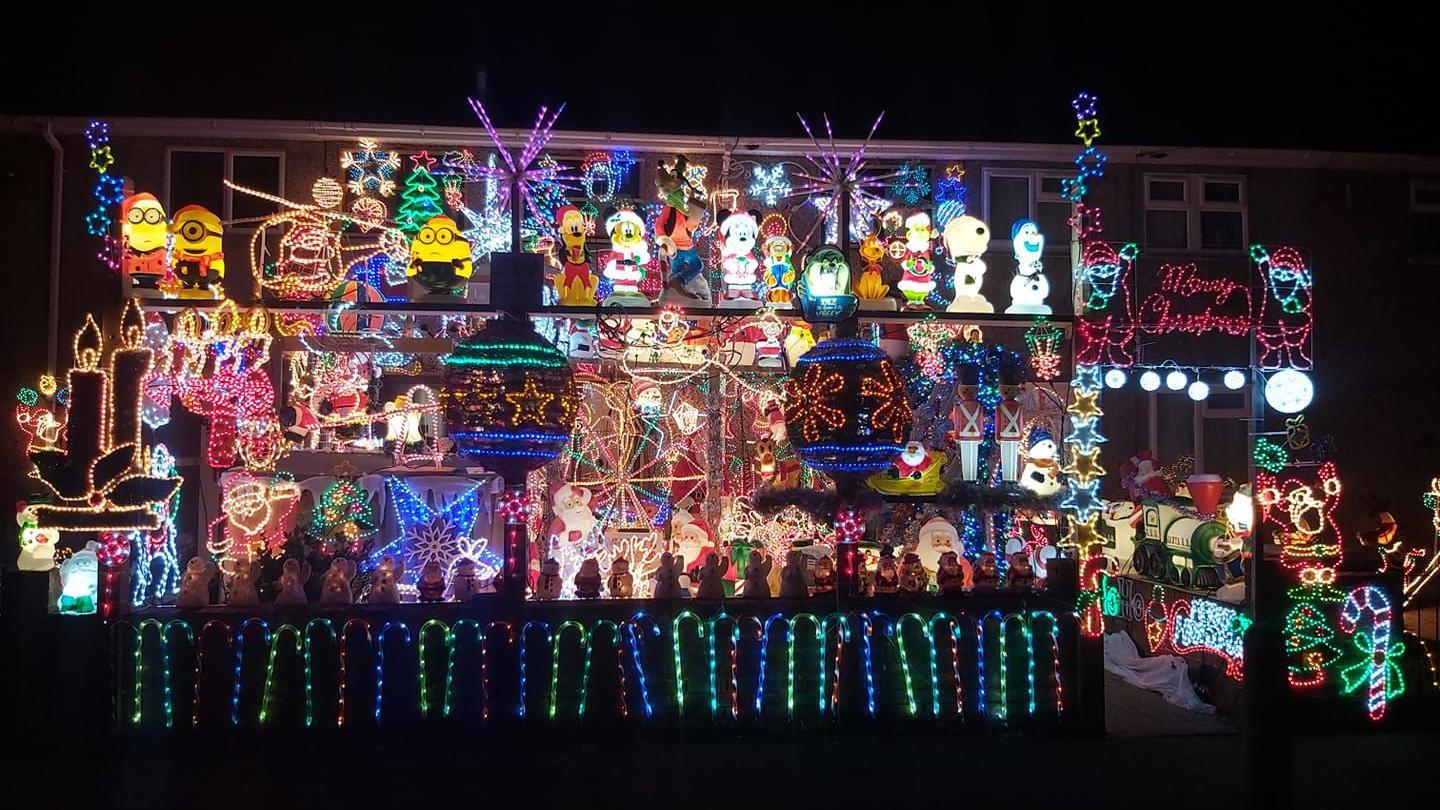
(1087, 378)
(101, 158)
(1083, 534)
(1084, 404)
(1087, 130)
(1086, 220)
(1085, 434)
(1086, 466)
(529, 403)
(1083, 499)
(1073, 189)
(423, 158)
(1091, 162)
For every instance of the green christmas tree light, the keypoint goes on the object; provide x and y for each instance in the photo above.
(421, 198)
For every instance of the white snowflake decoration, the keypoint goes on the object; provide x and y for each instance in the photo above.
(438, 541)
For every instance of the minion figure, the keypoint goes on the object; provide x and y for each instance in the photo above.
(196, 255)
(440, 258)
(143, 256)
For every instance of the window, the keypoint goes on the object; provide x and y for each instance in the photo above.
(1194, 212)
(198, 176)
(1214, 432)
(1425, 218)
(1012, 195)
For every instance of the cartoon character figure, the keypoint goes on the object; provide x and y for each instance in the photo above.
(675, 232)
(913, 576)
(874, 293)
(197, 257)
(969, 419)
(1029, 288)
(824, 575)
(1309, 537)
(143, 232)
(195, 584)
(987, 572)
(1009, 432)
(621, 583)
(440, 257)
(588, 580)
(824, 288)
(80, 580)
(955, 574)
(799, 341)
(629, 256)
(757, 576)
(667, 576)
(918, 279)
(431, 585)
(966, 238)
(768, 350)
(779, 271)
(1041, 474)
(465, 581)
(694, 541)
(290, 589)
(739, 232)
(711, 577)
(1022, 573)
(1283, 328)
(385, 582)
(1142, 477)
(574, 519)
(335, 584)
(792, 577)
(577, 283)
(547, 583)
(887, 573)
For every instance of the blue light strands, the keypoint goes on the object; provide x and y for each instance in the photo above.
(911, 183)
(108, 192)
(950, 193)
(524, 661)
(380, 662)
(848, 406)
(158, 545)
(240, 661)
(635, 621)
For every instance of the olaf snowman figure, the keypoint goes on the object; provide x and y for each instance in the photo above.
(1041, 473)
(1029, 288)
(969, 418)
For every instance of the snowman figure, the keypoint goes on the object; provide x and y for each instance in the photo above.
(1041, 474)
(966, 238)
(1029, 288)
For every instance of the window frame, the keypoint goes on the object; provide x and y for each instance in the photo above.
(1201, 412)
(228, 194)
(1000, 237)
(1417, 207)
(1194, 205)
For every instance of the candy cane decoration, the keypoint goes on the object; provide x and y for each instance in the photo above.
(200, 663)
(270, 666)
(448, 640)
(1379, 661)
(380, 662)
(240, 661)
(485, 664)
(636, 660)
(555, 664)
(840, 620)
(679, 667)
(819, 661)
(340, 647)
(309, 669)
(524, 656)
(919, 621)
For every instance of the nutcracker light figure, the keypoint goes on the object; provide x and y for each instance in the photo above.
(1009, 425)
(969, 418)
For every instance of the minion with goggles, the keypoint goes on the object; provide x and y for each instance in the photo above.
(440, 258)
(196, 255)
(142, 231)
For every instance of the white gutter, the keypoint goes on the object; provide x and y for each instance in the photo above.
(881, 149)
(52, 347)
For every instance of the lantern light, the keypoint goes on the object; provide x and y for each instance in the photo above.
(1198, 390)
(1175, 380)
(1115, 378)
(1234, 379)
(1289, 391)
(1149, 381)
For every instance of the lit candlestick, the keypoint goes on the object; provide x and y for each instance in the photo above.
(87, 417)
(129, 366)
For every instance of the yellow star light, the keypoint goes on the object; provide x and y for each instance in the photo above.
(529, 403)
(1083, 535)
(1088, 130)
(1086, 466)
(1085, 406)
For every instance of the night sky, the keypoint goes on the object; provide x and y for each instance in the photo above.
(1216, 76)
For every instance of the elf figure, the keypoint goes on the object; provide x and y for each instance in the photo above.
(1009, 432)
(969, 418)
(918, 279)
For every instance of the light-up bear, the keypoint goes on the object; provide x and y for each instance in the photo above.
(918, 279)
(966, 238)
(1029, 288)
(739, 231)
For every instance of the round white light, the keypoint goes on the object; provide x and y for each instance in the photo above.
(1289, 391)
(1234, 379)
(1150, 381)
(1175, 380)
(1198, 390)
(1115, 378)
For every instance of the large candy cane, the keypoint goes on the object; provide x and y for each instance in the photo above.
(1378, 656)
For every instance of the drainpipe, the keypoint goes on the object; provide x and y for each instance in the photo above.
(58, 173)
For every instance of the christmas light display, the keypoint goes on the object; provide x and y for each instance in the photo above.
(537, 181)
(769, 184)
(370, 169)
(848, 406)
(421, 200)
(832, 174)
(1365, 616)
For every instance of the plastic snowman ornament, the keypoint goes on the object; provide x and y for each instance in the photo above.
(966, 238)
(1029, 288)
(1041, 473)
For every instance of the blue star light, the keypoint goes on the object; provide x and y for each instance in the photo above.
(1087, 379)
(1084, 499)
(1085, 434)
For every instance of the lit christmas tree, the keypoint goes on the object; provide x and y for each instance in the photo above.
(421, 198)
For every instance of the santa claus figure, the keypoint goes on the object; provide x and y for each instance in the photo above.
(969, 419)
(573, 517)
(1142, 478)
(913, 461)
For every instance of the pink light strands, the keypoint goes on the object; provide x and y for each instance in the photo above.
(522, 171)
